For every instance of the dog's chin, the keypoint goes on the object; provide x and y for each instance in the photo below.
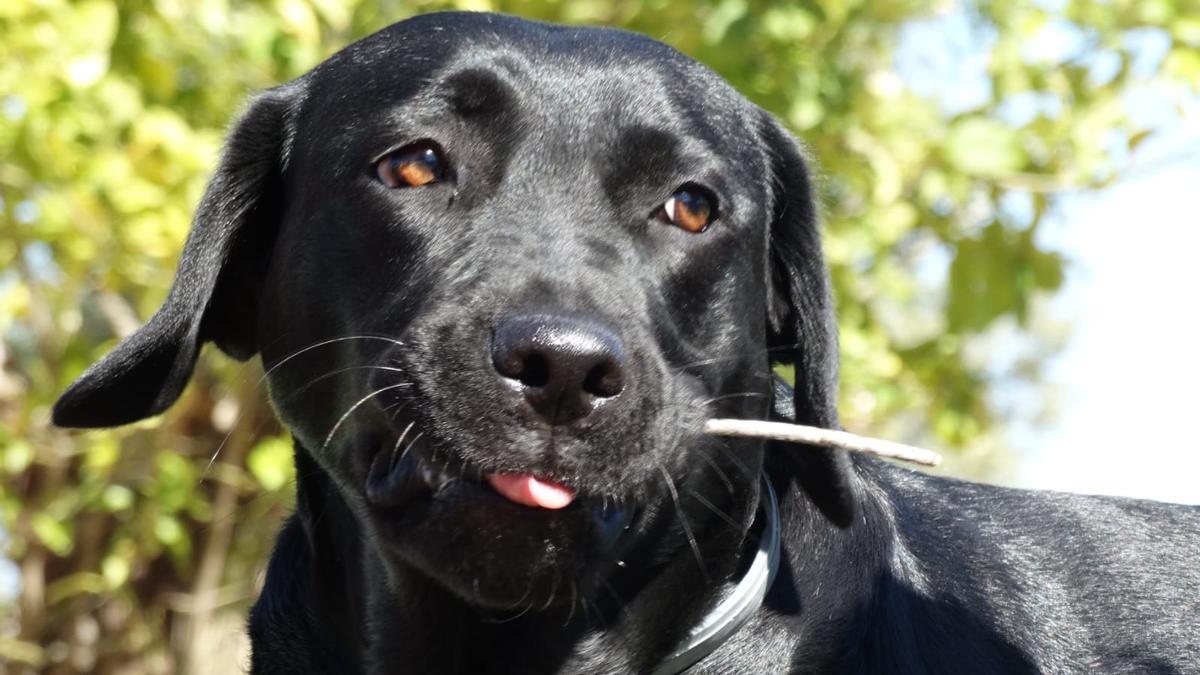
(497, 555)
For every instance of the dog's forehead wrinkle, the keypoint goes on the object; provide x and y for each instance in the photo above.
(571, 89)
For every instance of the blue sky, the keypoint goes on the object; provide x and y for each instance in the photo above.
(1130, 372)
(1126, 380)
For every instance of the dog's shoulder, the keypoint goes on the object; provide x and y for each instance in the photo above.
(1077, 581)
(926, 501)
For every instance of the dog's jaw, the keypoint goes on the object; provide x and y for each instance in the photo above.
(508, 556)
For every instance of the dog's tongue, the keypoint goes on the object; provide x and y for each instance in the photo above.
(523, 488)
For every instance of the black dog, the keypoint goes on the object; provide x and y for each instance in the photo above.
(499, 273)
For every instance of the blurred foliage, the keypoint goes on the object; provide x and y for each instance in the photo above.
(135, 548)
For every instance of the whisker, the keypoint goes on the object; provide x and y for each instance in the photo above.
(354, 407)
(708, 459)
(687, 528)
(521, 600)
(735, 395)
(396, 447)
(224, 441)
(308, 385)
(574, 601)
(391, 406)
(735, 460)
(275, 366)
(589, 608)
(721, 514)
(719, 359)
(553, 590)
(411, 444)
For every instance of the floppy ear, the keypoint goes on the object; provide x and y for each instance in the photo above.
(214, 295)
(802, 327)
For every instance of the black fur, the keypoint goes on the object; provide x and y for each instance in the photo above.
(374, 311)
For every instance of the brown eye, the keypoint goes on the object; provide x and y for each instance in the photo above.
(411, 166)
(688, 208)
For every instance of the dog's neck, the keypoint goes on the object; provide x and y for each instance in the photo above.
(417, 624)
(633, 625)
(614, 633)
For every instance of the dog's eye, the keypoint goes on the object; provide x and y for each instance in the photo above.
(690, 208)
(411, 166)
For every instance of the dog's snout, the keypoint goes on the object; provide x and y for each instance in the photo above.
(563, 365)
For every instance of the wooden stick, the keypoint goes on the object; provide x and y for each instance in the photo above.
(798, 433)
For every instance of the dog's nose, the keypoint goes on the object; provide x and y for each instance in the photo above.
(563, 365)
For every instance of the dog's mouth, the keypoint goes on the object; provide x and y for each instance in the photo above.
(393, 482)
(510, 535)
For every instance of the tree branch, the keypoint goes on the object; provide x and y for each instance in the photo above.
(798, 433)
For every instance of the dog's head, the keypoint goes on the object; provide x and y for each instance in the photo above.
(499, 273)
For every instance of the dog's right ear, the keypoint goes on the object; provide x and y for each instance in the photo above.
(214, 295)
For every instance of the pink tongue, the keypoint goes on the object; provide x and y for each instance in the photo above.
(523, 488)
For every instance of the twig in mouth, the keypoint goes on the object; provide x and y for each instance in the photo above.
(830, 438)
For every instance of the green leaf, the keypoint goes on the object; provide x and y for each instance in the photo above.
(168, 531)
(52, 533)
(984, 147)
(115, 570)
(116, 498)
(271, 463)
(17, 455)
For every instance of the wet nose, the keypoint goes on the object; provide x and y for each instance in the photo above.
(562, 365)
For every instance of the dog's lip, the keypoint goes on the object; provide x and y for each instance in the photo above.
(398, 485)
(395, 481)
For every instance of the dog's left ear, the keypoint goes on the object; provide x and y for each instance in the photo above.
(801, 324)
(214, 295)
